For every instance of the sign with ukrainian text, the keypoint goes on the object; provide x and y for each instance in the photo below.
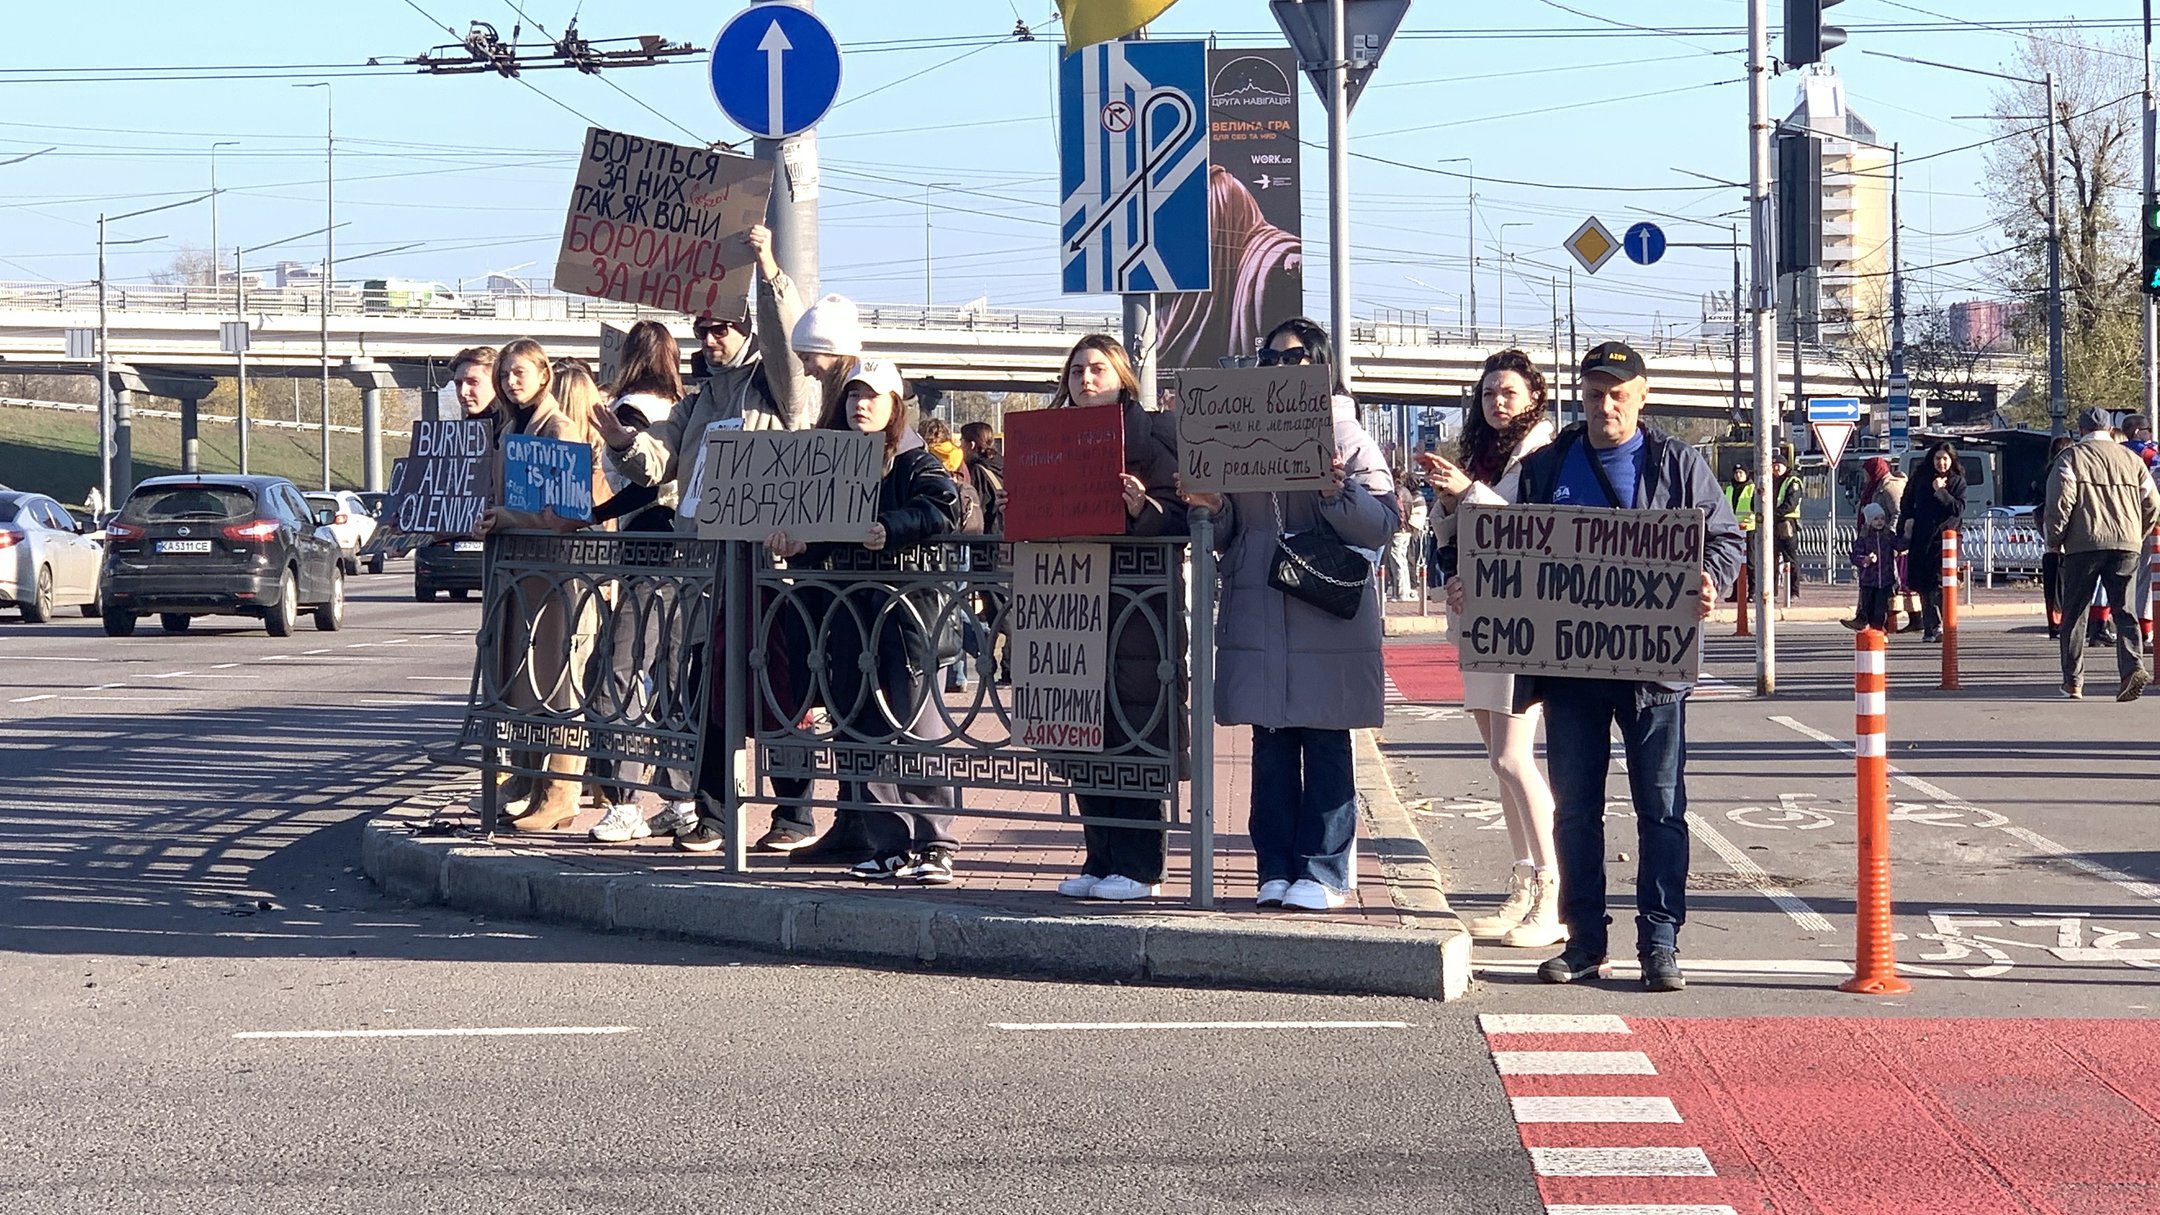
(814, 485)
(1588, 593)
(1256, 429)
(1060, 647)
(661, 225)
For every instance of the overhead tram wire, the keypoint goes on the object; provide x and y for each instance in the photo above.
(602, 76)
(587, 119)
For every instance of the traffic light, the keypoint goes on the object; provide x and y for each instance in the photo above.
(1807, 39)
(2151, 241)
(1799, 203)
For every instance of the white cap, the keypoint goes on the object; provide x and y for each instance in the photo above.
(830, 326)
(880, 375)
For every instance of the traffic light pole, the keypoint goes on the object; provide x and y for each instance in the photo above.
(2152, 305)
(1762, 303)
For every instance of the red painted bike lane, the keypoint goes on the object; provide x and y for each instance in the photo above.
(1423, 673)
(1837, 1116)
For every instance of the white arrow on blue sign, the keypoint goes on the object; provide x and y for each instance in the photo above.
(775, 70)
(1833, 409)
(1644, 243)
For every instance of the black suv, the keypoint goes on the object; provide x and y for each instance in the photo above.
(449, 563)
(205, 545)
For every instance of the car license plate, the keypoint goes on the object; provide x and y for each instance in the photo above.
(468, 546)
(183, 546)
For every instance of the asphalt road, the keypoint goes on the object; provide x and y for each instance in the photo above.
(2024, 876)
(178, 827)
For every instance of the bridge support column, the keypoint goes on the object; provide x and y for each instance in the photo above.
(372, 378)
(125, 384)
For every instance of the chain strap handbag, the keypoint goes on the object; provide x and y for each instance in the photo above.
(1317, 567)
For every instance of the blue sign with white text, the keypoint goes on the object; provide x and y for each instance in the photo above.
(775, 70)
(541, 474)
(1644, 243)
(1133, 161)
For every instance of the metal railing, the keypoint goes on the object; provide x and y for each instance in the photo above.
(1993, 548)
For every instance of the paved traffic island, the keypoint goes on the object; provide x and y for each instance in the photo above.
(1397, 936)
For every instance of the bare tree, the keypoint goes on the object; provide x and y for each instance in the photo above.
(191, 267)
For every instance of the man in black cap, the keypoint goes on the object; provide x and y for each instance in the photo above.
(1612, 459)
(2101, 505)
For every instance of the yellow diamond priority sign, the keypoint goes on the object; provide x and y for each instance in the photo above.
(1593, 244)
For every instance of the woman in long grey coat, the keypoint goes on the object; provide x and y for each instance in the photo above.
(1302, 677)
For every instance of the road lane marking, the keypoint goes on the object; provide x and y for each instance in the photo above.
(442, 678)
(1595, 1109)
(49, 658)
(1620, 1162)
(1089, 1026)
(23, 700)
(1759, 879)
(1553, 1023)
(2125, 882)
(168, 675)
(223, 666)
(429, 704)
(312, 653)
(1622, 1208)
(1573, 1063)
(522, 1031)
(1622, 968)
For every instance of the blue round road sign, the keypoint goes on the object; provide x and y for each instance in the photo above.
(1644, 243)
(775, 70)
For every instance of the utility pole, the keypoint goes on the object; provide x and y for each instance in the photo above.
(240, 418)
(224, 143)
(329, 267)
(1574, 356)
(1338, 114)
(2151, 307)
(104, 377)
(2058, 406)
(1897, 283)
(1470, 243)
(1501, 237)
(1761, 304)
(928, 296)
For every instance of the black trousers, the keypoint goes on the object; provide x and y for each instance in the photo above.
(1136, 853)
(1875, 605)
(2082, 575)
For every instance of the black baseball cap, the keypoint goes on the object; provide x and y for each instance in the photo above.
(1615, 359)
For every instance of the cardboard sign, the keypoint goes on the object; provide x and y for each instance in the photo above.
(812, 484)
(612, 340)
(1592, 593)
(446, 480)
(1061, 473)
(547, 474)
(656, 224)
(1060, 647)
(1256, 429)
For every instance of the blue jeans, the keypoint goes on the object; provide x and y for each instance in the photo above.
(1304, 805)
(1579, 716)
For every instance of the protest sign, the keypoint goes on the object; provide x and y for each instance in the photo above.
(661, 225)
(611, 348)
(1061, 473)
(1255, 429)
(812, 484)
(447, 478)
(1060, 647)
(547, 474)
(1592, 593)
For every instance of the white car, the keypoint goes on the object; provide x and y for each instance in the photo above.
(47, 558)
(351, 522)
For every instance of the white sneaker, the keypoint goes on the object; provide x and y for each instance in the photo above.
(1272, 892)
(1080, 887)
(1118, 889)
(676, 818)
(621, 824)
(1309, 895)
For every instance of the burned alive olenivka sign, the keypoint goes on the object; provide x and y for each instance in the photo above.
(1585, 592)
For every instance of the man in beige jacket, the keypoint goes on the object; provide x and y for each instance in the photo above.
(2101, 504)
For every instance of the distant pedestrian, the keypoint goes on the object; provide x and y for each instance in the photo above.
(1509, 425)
(2138, 437)
(94, 504)
(1934, 505)
(1786, 492)
(1739, 496)
(1874, 561)
(1404, 544)
(985, 470)
(2101, 506)
(1881, 486)
(2051, 554)
(937, 435)
(1301, 675)
(1612, 459)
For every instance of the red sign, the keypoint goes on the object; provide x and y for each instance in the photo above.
(1061, 473)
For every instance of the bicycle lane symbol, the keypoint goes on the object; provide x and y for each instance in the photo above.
(1792, 814)
(2078, 936)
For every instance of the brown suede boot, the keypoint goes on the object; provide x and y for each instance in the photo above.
(555, 797)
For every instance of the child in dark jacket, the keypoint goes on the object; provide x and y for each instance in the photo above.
(1874, 556)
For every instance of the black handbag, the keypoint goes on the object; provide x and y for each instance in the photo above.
(1317, 567)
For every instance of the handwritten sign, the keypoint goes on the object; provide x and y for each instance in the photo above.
(612, 340)
(547, 474)
(1587, 592)
(812, 484)
(446, 480)
(661, 225)
(1060, 647)
(1061, 473)
(1255, 429)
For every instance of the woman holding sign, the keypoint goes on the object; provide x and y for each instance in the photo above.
(1509, 423)
(916, 500)
(1124, 862)
(1301, 674)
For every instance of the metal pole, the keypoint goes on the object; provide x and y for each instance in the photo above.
(1760, 306)
(240, 419)
(1472, 248)
(1202, 813)
(1338, 108)
(104, 350)
(2057, 406)
(1139, 317)
(1897, 284)
(1736, 246)
(927, 294)
(329, 263)
(793, 214)
(1574, 355)
(2151, 308)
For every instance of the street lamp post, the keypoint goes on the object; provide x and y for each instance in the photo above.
(329, 268)
(224, 143)
(1501, 237)
(240, 421)
(1470, 202)
(928, 298)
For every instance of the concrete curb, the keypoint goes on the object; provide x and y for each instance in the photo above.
(1414, 878)
(915, 931)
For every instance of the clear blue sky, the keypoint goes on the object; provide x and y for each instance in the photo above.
(478, 167)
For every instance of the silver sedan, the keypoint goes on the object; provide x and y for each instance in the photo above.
(47, 559)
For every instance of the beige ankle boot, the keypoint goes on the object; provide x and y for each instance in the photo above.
(1521, 890)
(1540, 926)
(555, 798)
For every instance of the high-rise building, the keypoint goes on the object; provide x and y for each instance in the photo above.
(1848, 297)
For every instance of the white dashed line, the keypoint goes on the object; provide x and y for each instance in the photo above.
(23, 700)
(1090, 1026)
(532, 1031)
(1757, 878)
(1620, 1162)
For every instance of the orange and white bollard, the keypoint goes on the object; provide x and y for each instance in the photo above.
(1949, 611)
(1874, 958)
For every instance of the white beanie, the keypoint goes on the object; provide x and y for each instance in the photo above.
(1873, 513)
(829, 326)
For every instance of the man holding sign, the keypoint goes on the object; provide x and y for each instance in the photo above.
(1662, 485)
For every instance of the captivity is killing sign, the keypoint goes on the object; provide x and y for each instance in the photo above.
(656, 224)
(445, 484)
(1586, 592)
(815, 485)
(1255, 429)
(1060, 617)
(547, 474)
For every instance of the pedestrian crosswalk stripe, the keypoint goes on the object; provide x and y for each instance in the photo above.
(1573, 1063)
(1620, 1162)
(1552, 1023)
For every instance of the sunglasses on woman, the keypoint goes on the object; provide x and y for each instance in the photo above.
(1291, 357)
